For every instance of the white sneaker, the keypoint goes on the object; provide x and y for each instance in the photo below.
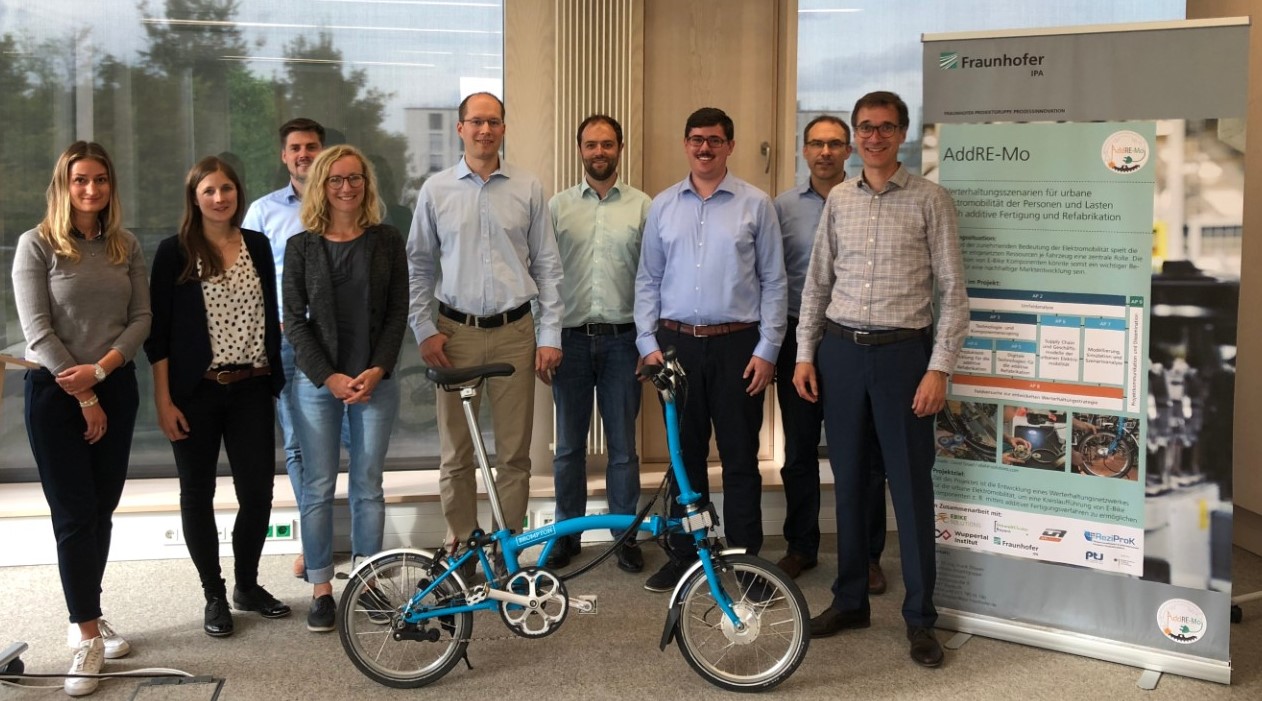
(115, 645)
(88, 658)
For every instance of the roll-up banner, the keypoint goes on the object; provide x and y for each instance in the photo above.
(1084, 470)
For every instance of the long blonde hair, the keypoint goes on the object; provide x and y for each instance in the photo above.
(58, 225)
(315, 199)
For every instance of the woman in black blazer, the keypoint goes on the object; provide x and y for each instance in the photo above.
(346, 305)
(214, 345)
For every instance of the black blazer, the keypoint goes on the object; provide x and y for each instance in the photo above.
(311, 311)
(180, 333)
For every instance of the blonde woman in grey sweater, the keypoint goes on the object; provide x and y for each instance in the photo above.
(82, 297)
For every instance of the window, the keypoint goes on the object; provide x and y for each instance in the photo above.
(163, 83)
(847, 49)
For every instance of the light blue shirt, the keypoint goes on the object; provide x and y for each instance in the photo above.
(798, 210)
(483, 248)
(275, 215)
(712, 261)
(599, 242)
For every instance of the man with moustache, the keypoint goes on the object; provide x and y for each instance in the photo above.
(825, 146)
(275, 215)
(598, 225)
(480, 251)
(711, 284)
(885, 241)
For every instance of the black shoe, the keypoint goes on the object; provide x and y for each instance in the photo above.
(257, 599)
(754, 588)
(323, 614)
(665, 579)
(832, 621)
(218, 622)
(630, 559)
(566, 547)
(925, 649)
(375, 605)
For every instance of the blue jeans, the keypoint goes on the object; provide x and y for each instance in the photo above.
(316, 420)
(284, 419)
(607, 365)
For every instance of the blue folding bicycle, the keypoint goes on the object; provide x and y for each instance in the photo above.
(406, 616)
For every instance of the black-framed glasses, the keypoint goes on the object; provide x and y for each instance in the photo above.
(355, 180)
(479, 123)
(885, 129)
(699, 141)
(833, 145)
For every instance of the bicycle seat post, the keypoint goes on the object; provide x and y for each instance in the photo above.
(479, 447)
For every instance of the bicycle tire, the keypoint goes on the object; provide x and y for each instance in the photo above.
(777, 634)
(368, 639)
(1097, 460)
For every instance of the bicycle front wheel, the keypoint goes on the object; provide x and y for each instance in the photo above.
(774, 633)
(369, 614)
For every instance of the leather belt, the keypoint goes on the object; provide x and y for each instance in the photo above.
(227, 377)
(874, 338)
(600, 329)
(484, 322)
(707, 330)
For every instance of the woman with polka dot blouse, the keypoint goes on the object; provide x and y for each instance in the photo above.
(346, 304)
(214, 345)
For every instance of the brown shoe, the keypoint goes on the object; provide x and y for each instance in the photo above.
(876, 578)
(794, 564)
(300, 567)
(925, 649)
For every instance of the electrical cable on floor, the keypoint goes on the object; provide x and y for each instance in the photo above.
(147, 672)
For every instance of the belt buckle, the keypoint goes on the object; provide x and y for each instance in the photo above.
(221, 377)
(697, 331)
(855, 337)
(590, 329)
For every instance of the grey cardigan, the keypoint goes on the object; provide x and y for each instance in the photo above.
(310, 308)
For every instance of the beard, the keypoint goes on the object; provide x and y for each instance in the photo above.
(599, 173)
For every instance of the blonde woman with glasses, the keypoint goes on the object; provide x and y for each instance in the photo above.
(83, 301)
(345, 294)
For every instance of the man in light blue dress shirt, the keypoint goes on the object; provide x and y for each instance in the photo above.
(825, 147)
(275, 215)
(480, 251)
(598, 225)
(712, 285)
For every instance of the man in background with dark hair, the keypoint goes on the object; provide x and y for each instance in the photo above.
(825, 148)
(886, 240)
(275, 215)
(598, 224)
(481, 250)
(711, 284)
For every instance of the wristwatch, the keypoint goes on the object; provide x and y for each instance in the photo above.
(98, 372)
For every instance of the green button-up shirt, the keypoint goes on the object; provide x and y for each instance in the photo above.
(599, 241)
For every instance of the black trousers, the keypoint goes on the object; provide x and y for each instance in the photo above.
(801, 421)
(716, 395)
(241, 416)
(873, 386)
(82, 482)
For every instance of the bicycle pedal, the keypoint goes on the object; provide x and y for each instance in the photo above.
(583, 603)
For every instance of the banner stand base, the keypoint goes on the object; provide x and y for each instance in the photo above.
(1034, 635)
(1148, 680)
(957, 641)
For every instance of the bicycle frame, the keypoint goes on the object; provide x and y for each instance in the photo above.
(697, 521)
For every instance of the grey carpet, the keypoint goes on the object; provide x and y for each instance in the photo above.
(613, 654)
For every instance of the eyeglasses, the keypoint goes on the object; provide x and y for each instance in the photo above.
(355, 180)
(699, 141)
(886, 129)
(479, 123)
(834, 145)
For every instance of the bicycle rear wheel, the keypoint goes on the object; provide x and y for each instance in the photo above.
(776, 630)
(369, 614)
(1099, 460)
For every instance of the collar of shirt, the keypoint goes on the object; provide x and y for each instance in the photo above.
(289, 194)
(586, 187)
(463, 170)
(898, 179)
(724, 186)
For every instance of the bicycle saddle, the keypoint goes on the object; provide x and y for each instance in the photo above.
(460, 376)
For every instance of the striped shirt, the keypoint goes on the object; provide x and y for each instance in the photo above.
(876, 260)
